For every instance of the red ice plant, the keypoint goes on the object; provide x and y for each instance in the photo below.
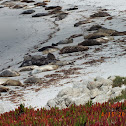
(106, 114)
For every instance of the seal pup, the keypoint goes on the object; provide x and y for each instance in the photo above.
(43, 69)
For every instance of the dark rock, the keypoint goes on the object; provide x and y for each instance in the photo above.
(28, 1)
(94, 27)
(81, 22)
(100, 14)
(53, 7)
(73, 8)
(38, 60)
(28, 12)
(89, 42)
(71, 49)
(40, 14)
(40, 4)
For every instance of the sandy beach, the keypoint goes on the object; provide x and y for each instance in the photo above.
(22, 35)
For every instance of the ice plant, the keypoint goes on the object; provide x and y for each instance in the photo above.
(106, 114)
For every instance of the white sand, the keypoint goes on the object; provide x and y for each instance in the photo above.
(18, 35)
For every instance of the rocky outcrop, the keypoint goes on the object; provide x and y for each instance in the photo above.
(9, 73)
(38, 60)
(68, 96)
(98, 90)
(71, 49)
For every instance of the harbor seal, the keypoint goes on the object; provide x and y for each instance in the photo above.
(9, 73)
(48, 49)
(66, 41)
(3, 80)
(28, 68)
(33, 80)
(43, 69)
(12, 83)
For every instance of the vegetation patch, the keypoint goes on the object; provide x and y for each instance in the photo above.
(119, 81)
(106, 114)
(119, 98)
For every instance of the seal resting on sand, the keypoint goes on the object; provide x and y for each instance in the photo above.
(12, 83)
(50, 50)
(44, 68)
(28, 68)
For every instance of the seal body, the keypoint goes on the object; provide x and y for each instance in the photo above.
(28, 68)
(44, 68)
